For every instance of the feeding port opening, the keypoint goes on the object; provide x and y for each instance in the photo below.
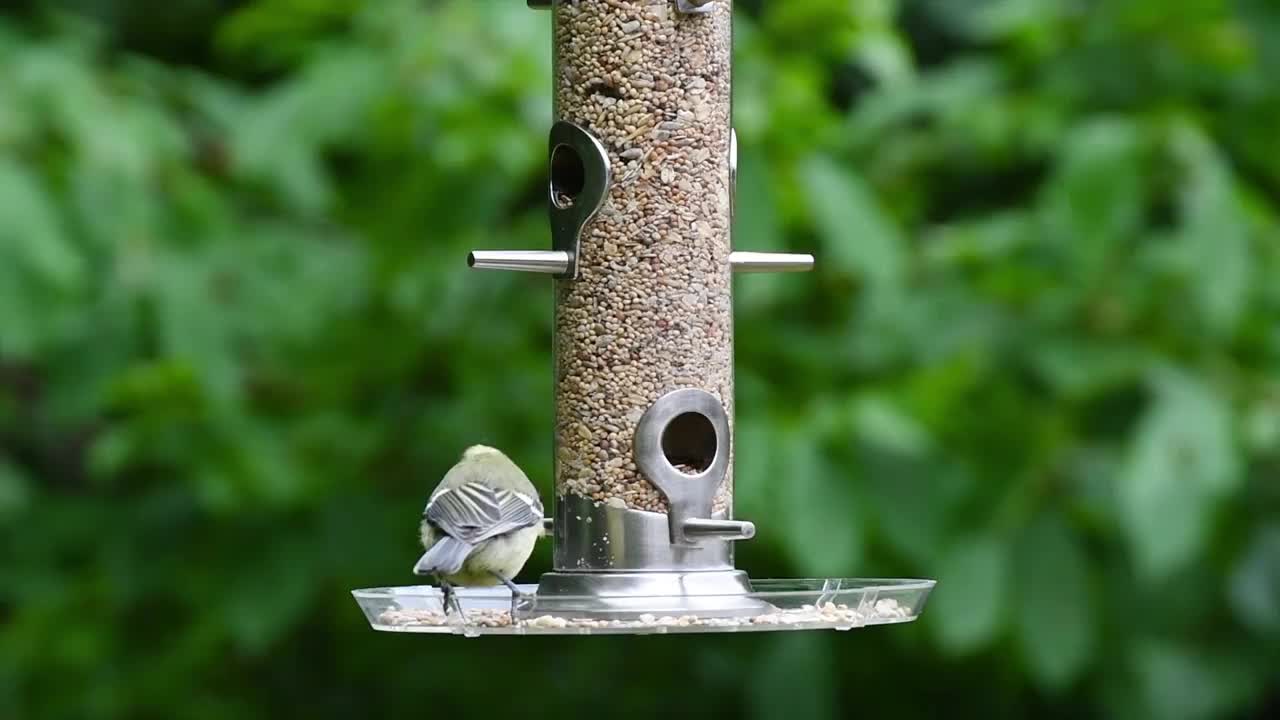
(568, 176)
(689, 443)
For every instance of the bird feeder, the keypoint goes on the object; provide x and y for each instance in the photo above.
(642, 165)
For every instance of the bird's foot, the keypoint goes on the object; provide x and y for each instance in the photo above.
(450, 600)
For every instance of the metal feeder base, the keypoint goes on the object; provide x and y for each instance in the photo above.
(626, 595)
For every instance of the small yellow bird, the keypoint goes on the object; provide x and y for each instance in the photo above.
(480, 524)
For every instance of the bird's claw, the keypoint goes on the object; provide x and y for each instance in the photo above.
(450, 601)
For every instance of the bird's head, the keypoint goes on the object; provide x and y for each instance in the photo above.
(478, 451)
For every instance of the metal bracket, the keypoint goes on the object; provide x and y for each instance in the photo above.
(578, 187)
(757, 261)
(690, 497)
(763, 262)
(552, 262)
(580, 179)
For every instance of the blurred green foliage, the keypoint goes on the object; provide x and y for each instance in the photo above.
(1040, 359)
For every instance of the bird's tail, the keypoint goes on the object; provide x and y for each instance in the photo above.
(443, 558)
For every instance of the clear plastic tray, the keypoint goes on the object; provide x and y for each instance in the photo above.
(805, 604)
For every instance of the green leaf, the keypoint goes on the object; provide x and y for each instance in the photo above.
(968, 609)
(111, 452)
(1178, 683)
(824, 538)
(1214, 233)
(949, 90)
(279, 32)
(1262, 426)
(1182, 463)
(1054, 609)
(913, 501)
(31, 233)
(880, 421)
(887, 56)
(20, 314)
(753, 462)
(193, 323)
(991, 239)
(256, 620)
(992, 19)
(1254, 588)
(1078, 368)
(857, 235)
(283, 141)
(15, 492)
(1094, 200)
(795, 677)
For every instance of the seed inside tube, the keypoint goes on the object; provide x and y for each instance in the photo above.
(654, 88)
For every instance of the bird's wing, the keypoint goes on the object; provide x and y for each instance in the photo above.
(473, 512)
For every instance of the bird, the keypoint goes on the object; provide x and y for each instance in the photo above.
(480, 524)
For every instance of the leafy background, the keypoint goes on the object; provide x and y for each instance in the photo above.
(1039, 360)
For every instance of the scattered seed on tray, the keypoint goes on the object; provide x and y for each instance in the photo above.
(837, 616)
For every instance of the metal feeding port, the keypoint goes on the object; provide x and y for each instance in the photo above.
(642, 166)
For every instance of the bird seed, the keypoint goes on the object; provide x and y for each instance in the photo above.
(650, 311)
